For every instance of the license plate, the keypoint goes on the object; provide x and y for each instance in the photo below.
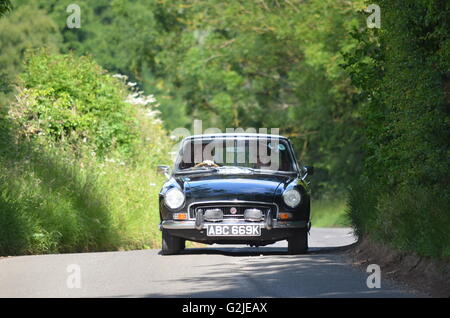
(233, 230)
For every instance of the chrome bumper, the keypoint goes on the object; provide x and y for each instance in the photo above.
(190, 225)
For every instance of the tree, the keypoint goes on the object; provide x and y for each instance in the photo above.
(236, 64)
(19, 33)
(272, 64)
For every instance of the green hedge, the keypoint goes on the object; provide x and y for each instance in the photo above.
(403, 71)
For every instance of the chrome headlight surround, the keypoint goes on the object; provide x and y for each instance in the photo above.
(174, 198)
(292, 198)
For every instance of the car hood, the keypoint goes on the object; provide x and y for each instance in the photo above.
(229, 188)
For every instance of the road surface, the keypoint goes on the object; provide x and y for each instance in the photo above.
(214, 271)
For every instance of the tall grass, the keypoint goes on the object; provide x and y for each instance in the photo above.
(329, 213)
(50, 203)
(54, 201)
(132, 193)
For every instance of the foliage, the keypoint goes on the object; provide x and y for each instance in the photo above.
(63, 97)
(403, 72)
(5, 6)
(379, 123)
(52, 202)
(56, 195)
(272, 64)
(236, 64)
(19, 33)
(125, 37)
(328, 213)
(49, 204)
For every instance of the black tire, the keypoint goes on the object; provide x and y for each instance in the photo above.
(298, 244)
(171, 245)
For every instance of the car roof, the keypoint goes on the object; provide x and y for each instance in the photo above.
(235, 135)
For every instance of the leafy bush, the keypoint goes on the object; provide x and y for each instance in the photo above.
(68, 98)
(402, 70)
(56, 194)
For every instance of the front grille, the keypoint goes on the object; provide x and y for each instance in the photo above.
(228, 208)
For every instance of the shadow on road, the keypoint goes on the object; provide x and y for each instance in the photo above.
(242, 251)
(320, 273)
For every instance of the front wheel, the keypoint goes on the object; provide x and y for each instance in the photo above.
(171, 245)
(298, 244)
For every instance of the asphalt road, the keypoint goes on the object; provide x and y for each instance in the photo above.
(214, 271)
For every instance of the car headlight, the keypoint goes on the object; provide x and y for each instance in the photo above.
(174, 198)
(292, 198)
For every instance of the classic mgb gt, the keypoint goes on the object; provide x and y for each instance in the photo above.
(235, 189)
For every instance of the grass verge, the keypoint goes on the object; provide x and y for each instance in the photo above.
(326, 213)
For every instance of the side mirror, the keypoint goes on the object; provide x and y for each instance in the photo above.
(309, 171)
(165, 170)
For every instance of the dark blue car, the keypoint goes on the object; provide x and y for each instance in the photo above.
(235, 189)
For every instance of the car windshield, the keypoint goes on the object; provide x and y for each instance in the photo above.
(262, 154)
